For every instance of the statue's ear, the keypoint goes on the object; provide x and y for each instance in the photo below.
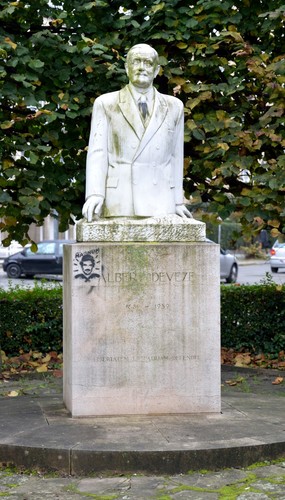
(126, 69)
(156, 71)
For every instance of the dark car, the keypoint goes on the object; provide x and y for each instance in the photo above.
(46, 260)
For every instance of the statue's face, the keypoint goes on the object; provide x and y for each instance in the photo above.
(141, 68)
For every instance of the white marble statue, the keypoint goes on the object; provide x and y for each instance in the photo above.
(135, 154)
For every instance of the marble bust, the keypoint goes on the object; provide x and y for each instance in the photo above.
(135, 153)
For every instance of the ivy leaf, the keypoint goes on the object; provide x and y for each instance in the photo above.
(7, 124)
(34, 158)
(198, 134)
(36, 64)
(157, 7)
(5, 197)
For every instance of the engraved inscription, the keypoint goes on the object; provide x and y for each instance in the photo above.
(145, 359)
(176, 277)
(141, 307)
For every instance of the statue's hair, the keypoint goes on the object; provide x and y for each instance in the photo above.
(143, 46)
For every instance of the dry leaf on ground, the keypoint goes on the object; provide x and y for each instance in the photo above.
(278, 381)
(13, 394)
(243, 359)
(42, 369)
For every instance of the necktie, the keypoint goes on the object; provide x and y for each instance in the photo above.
(143, 106)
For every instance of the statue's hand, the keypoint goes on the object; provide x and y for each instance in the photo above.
(93, 205)
(182, 211)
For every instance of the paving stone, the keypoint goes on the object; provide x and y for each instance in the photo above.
(104, 486)
(196, 486)
(252, 496)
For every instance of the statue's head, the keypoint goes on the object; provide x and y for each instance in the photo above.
(142, 65)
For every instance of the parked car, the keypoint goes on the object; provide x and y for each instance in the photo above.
(46, 260)
(277, 256)
(228, 265)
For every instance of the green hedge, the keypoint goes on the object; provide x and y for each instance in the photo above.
(31, 320)
(252, 317)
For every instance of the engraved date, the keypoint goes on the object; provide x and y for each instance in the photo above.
(147, 307)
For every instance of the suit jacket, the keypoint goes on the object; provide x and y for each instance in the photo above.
(138, 170)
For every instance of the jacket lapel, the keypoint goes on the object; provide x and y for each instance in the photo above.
(130, 111)
(158, 116)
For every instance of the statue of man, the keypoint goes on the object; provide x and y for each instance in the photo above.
(135, 154)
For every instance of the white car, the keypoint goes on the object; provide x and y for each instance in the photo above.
(277, 256)
(228, 265)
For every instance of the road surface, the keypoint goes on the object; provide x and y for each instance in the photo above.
(259, 272)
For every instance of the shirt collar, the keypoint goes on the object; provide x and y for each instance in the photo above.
(149, 93)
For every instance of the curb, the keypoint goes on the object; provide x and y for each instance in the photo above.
(85, 463)
(39, 433)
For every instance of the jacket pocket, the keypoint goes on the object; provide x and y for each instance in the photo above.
(112, 182)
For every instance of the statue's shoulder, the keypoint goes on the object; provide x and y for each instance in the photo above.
(109, 97)
(171, 99)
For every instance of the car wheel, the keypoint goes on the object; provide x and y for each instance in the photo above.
(232, 277)
(14, 271)
(274, 269)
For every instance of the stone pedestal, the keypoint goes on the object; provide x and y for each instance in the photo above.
(141, 320)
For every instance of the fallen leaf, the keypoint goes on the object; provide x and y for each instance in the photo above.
(235, 381)
(53, 354)
(46, 359)
(57, 373)
(25, 357)
(278, 381)
(33, 363)
(3, 356)
(259, 357)
(242, 360)
(231, 382)
(42, 369)
(13, 394)
(37, 355)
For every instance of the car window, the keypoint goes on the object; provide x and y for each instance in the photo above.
(60, 248)
(45, 248)
(278, 244)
